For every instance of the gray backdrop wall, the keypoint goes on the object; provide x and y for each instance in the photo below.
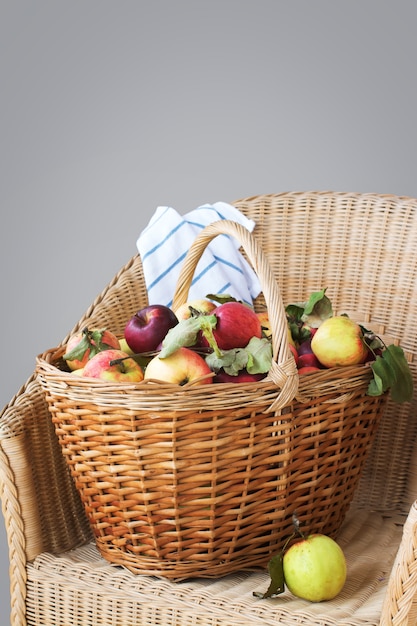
(109, 109)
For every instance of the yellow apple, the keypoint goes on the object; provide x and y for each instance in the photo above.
(202, 305)
(182, 366)
(266, 327)
(315, 568)
(338, 342)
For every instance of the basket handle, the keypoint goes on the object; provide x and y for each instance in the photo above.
(283, 370)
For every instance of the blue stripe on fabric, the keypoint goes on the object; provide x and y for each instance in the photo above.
(161, 276)
(228, 263)
(226, 286)
(155, 221)
(163, 241)
(201, 274)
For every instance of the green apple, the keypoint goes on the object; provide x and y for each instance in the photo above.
(315, 568)
(338, 342)
(124, 346)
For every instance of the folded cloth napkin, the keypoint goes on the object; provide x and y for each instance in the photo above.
(222, 269)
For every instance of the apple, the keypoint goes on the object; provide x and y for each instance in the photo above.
(181, 366)
(83, 345)
(265, 323)
(100, 366)
(124, 346)
(308, 369)
(147, 328)
(294, 353)
(315, 568)
(306, 356)
(308, 360)
(338, 342)
(266, 327)
(243, 376)
(236, 324)
(78, 372)
(202, 305)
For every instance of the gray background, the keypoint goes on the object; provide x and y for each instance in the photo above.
(109, 109)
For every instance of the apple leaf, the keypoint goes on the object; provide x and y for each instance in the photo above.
(317, 309)
(221, 298)
(260, 355)
(391, 372)
(91, 340)
(256, 357)
(232, 361)
(302, 316)
(276, 572)
(184, 334)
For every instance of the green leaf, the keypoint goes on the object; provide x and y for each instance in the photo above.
(294, 312)
(317, 309)
(276, 572)
(260, 353)
(221, 298)
(184, 334)
(256, 358)
(79, 350)
(392, 372)
(91, 340)
(232, 361)
(383, 376)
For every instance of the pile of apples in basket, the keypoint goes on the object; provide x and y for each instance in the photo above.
(218, 339)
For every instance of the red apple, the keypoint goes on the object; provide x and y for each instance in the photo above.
(294, 353)
(338, 342)
(181, 366)
(242, 377)
(201, 305)
(308, 369)
(236, 324)
(147, 328)
(306, 356)
(308, 360)
(305, 347)
(83, 345)
(315, 568)
(127, 370)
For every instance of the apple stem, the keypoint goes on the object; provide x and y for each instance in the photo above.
(207, 331)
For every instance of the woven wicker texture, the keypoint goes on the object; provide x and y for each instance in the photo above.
(368, 541)
(363, 248)
(204, 479)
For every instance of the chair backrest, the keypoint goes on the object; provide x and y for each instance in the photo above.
(361, 247)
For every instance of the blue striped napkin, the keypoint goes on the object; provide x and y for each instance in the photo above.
(163, 244)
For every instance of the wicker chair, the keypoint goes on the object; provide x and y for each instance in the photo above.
(363, 248)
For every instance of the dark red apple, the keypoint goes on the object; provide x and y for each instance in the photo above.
(306, 356)
(305, 347)
(147, 328)
(308, 360)
(236, 324)
(307, 369)
(242, 377)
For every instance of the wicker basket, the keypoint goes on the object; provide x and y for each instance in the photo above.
(192, 481)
